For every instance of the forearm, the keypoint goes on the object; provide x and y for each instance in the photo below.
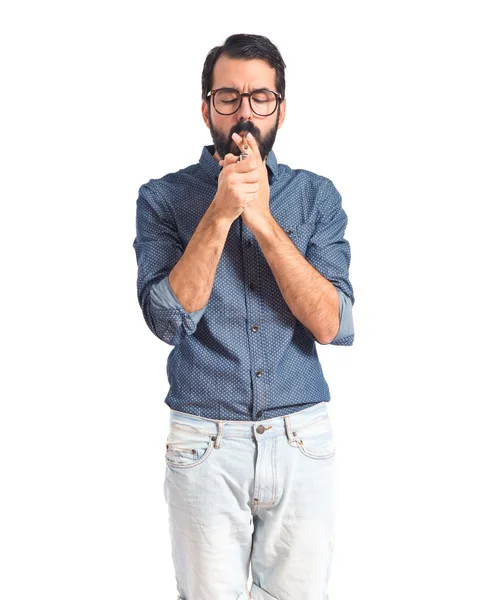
(192, 278)
(312, 298)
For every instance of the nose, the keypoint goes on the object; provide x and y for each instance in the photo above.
(244, 111)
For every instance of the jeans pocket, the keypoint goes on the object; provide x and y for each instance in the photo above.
(186, 453)
(315, 440)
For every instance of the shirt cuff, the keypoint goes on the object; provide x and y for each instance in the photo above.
(346, 327)
(162, 296)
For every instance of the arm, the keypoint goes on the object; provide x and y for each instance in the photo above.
(313, 297)
(162, 295)
(192, 278)
(158, 249)
(330, 254)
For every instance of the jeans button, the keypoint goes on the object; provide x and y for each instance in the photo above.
(260, 429)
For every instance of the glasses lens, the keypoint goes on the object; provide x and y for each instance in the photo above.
(263, 102)
(226, 101)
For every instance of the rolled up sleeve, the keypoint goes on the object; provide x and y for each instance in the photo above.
(158, 248)
(330, 254)
(345, 335)
(162, 296)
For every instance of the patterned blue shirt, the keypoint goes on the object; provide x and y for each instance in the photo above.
(243, 356)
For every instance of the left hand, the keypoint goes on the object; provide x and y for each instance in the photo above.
(257, 213)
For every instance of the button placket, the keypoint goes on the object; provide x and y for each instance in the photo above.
(254, 310)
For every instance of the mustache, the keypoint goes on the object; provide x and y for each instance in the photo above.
(247, 126)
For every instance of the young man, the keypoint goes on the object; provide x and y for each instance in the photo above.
(242, 267)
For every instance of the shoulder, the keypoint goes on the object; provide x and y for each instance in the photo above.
(303, 177)
(318, 185)
(172, 180)
(160, 190)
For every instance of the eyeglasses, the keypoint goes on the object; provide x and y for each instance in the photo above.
(227, 101)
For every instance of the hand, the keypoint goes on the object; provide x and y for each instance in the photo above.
(256, 211)
(243, 186)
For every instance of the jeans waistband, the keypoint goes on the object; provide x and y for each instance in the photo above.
(248, 429)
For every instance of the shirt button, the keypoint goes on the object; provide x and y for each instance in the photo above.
(249, 243)
(255, 328)
(259, 414)
(251, 285)
(259, 373)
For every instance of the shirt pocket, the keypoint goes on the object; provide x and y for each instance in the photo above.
(300, 235)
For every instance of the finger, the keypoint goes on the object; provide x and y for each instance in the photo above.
(228, 159)
(243, 165)
(231, 158)
(251, 140)
(241, 141)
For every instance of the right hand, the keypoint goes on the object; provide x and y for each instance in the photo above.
(237, 182)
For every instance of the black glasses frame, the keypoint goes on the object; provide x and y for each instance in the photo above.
(241, 94)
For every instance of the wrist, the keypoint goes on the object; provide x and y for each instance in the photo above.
(215, 215)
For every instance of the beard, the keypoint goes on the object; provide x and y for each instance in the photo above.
(224, 144)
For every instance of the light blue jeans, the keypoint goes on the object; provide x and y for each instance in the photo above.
(258, 493)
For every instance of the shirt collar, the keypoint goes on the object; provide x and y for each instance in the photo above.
(209, 163)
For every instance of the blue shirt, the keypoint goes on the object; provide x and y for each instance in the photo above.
(243, 356)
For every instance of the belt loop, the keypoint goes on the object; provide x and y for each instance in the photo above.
(287, 422)
(291, 435)
(220, 433)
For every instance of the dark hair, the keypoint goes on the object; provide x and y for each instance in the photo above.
(246, 46)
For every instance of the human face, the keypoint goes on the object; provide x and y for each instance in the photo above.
(245, 76)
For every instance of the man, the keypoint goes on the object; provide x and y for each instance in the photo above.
(242, 267)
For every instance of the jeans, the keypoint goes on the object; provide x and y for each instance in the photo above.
(251, 493)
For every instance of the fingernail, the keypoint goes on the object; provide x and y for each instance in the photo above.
(250, 136)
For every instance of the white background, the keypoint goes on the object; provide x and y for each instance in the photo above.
(88, 116)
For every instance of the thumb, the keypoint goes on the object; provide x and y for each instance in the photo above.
(228, 159)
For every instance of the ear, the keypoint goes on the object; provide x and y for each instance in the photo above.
(205, 113)
(282, 114)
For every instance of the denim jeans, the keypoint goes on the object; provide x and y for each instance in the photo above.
(258, 493)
